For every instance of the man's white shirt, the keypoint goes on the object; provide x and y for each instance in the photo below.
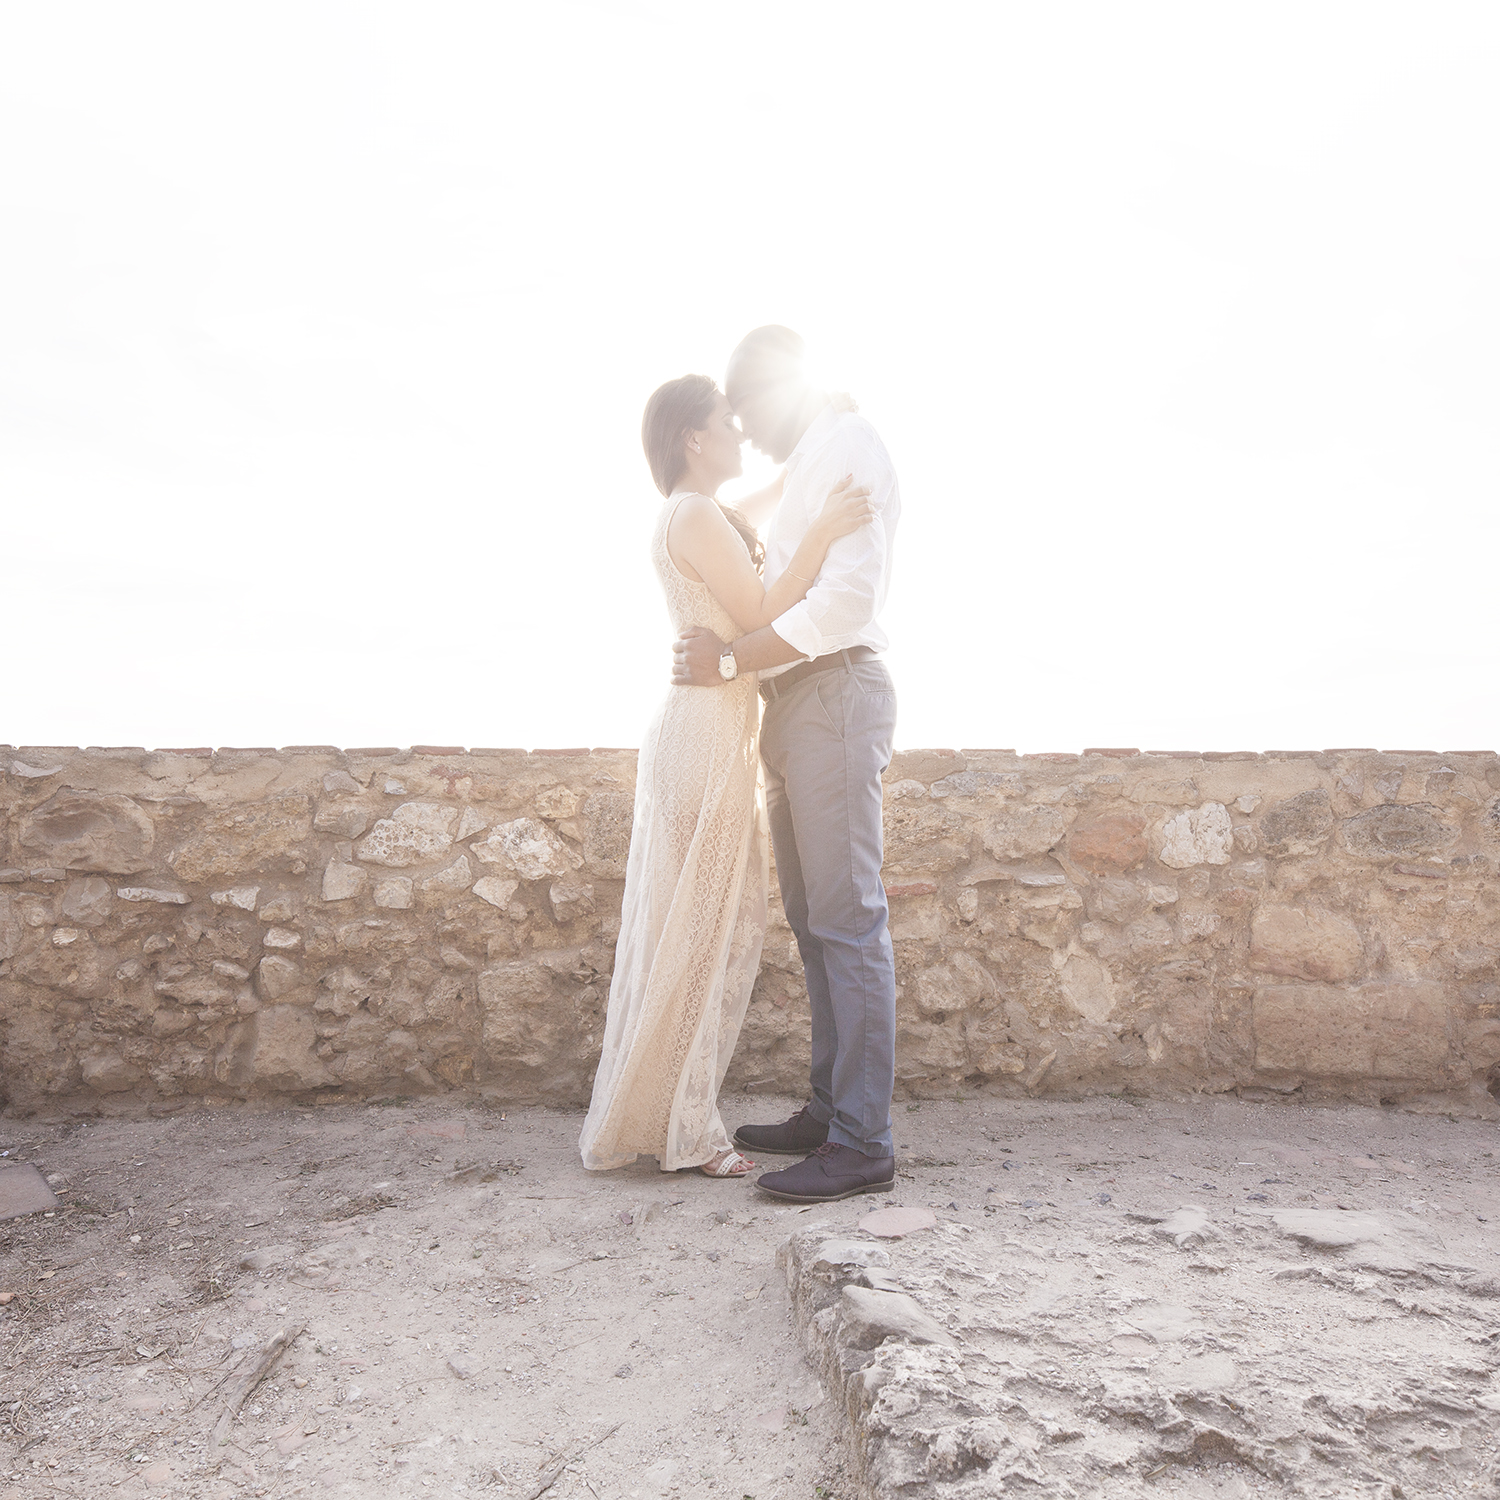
(842, 608)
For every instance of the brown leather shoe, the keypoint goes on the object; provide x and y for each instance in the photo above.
(794, 1137)
(830, 1173)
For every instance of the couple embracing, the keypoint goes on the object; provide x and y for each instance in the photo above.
(777, 674)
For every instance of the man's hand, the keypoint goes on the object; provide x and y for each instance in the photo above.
(695, 658)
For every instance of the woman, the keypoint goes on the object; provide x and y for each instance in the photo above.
(694, 910)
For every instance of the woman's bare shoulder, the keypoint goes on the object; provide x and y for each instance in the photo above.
(697, 512)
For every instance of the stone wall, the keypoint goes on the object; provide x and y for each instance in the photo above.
(252, 922)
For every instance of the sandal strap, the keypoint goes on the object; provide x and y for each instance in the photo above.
(726, 1168)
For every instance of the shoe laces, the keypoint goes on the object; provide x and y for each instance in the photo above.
(828, 1148)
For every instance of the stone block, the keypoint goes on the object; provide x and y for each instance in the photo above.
(978, 784)
(558, 802)
(606, 833)
(571, 898)
(343, 882)
(1201, 836)
(347, 819)
(88, 902)
(458, 876)
(394, 893)
(1114, 842)
(1395, 830)
(925, 765)
(1088, 987)
(150, 893)
(1114, 900)
(109, 1073)
(276, 976)
(242, 896)
(415, 832)
(1381, 1032)
(96, 832)
(245, 836)
(1305, 943)
(958, 985)
(471, 822)
(528, 847)
(1297, 825)
(869, 1317)
(1016, 832)
(10, 927)
(495, 890)
(283, 1056)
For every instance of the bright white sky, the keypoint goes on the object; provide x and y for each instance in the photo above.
(327, 330)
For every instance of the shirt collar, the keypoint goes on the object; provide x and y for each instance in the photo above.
(817, 430)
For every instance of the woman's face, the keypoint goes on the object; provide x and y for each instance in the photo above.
(718, 455)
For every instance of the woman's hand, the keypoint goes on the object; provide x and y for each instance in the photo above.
(846, 509)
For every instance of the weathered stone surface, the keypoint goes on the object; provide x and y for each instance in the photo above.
(109, 1073)
(1016, 832)
(1019, 970)
(90, 831)
(347, 819)
(1088, 987)
(1393, 830)
(283, 1057)
(458, 876)
(343, 882)
(495, 890)
(606, 833)
(558, 802)
(10, 927)
(1114, 842)
(976, 783)
(242, 896)
(870, 1317)
(414, 833)
(528, 847)
(890, 1224)
(1305, 943)
(473, 821)
(1379, 1031)
(249, 836)
(276, 976)
(394, 893)
(1297, 825)
(571, 898)
(1202, 836)
(1115, 900)
(88, 902)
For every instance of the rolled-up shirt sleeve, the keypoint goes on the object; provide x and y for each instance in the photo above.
(851, 584)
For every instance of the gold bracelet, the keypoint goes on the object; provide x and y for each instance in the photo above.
(799, 577)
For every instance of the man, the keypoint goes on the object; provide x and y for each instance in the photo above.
(826, 737)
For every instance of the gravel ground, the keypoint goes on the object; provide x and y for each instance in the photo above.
(473, 1312)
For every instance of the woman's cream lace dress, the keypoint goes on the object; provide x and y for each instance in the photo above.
(694, 912)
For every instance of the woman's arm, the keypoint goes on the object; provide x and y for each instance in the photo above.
(703, 543)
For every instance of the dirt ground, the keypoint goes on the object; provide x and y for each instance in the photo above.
(481, 1315)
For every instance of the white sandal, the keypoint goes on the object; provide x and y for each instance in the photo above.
(732, 1165)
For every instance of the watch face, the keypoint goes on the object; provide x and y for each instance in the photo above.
(726, 666)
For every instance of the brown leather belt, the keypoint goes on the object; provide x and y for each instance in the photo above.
(772, 688)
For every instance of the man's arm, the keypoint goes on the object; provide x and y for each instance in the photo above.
(695, 657)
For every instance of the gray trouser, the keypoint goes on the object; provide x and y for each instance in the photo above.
(824, 744)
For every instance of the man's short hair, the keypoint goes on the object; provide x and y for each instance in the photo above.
(765, 359)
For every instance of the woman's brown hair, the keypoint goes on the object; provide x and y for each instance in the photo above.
(675, 409)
